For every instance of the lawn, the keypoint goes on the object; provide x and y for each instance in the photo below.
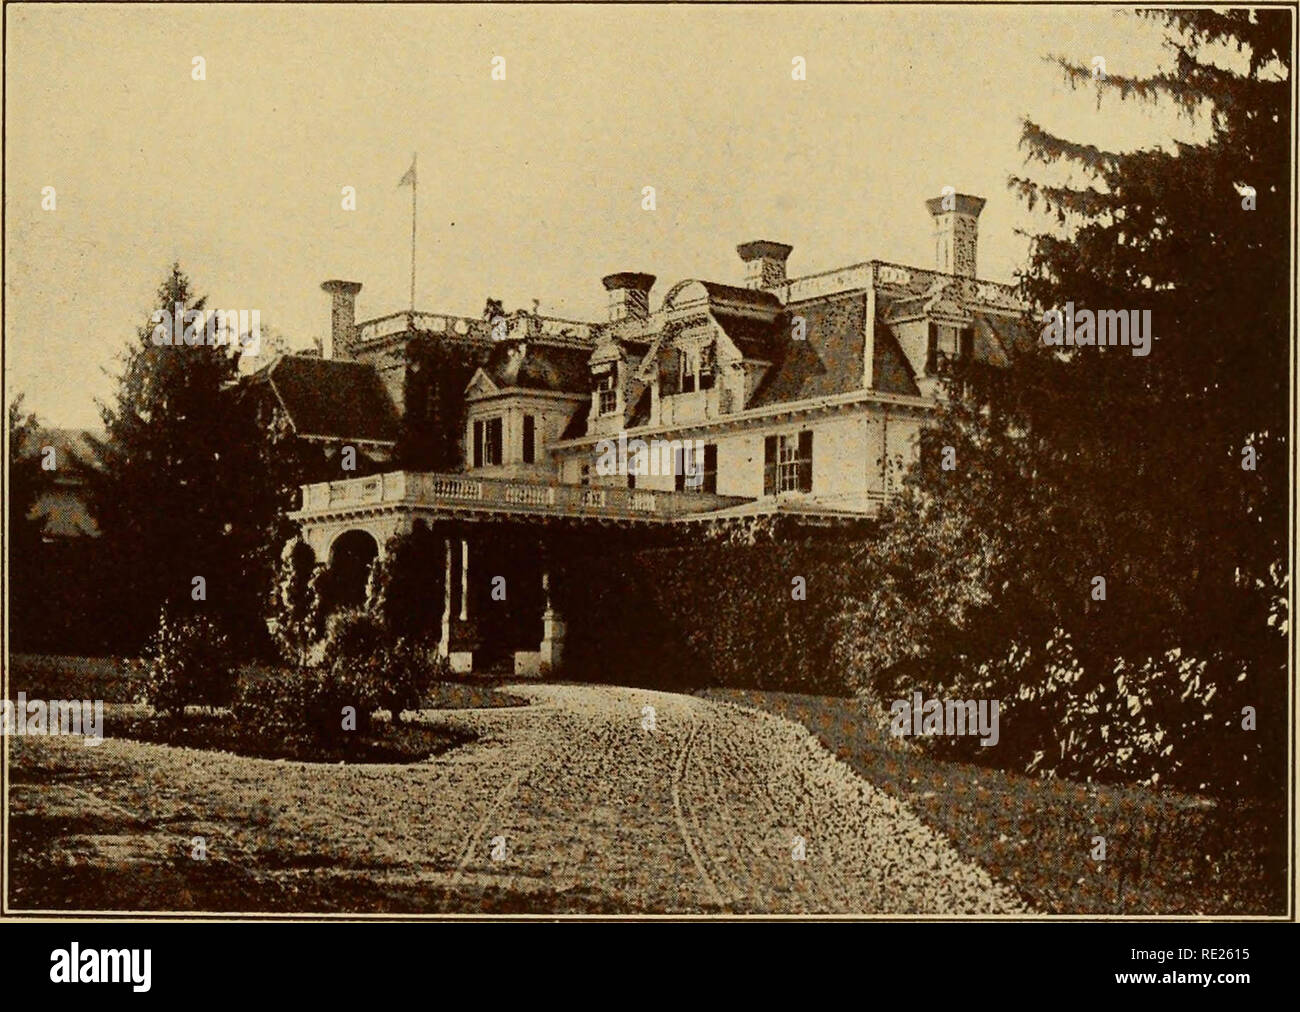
(55, 676)
(1166, 853)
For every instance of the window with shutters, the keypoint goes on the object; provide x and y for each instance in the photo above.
(932, 350)
(488, 442)
(530, 439)
(696, 469)
(787, 463)
(684, 474)
(710, 483)
(966, 344)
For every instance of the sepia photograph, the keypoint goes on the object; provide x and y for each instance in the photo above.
(669, 461)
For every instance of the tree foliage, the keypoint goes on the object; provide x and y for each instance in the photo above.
(433, 422)
(1090, 462)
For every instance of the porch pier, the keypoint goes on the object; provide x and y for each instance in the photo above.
(444, 640)
(552, 630)
(462, 661)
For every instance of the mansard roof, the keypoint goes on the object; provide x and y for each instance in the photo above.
(997, 338)
(754, 338)
(891, 372)
(829, 359)
(333, 398)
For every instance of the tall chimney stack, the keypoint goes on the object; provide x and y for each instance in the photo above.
(764, 262)
(629, 295)
(343, 318)
(956, 231)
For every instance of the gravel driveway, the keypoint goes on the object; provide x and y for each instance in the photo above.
(572, 803)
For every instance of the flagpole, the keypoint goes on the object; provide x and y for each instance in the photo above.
(414, 183)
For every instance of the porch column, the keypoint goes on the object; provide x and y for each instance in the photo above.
(462, 661)
(552, 628)
(444, 643)
(464, 579)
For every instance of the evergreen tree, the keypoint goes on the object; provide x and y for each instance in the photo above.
(26, 484)
(168, 471)
(1090, 462)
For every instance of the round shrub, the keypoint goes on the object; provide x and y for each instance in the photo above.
(189, 664)
(373, 671)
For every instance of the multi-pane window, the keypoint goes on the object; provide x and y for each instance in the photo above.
(945, 343)
(787, 463)
(695, 369)
(607, 394)
(530, 439)
(488, 442)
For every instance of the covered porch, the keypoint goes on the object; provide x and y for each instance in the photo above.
(491, 593)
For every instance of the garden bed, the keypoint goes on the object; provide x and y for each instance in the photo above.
(386, 742)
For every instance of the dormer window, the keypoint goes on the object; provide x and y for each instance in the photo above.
(695, 369)
(707, 365)
(686, 372)
(606, 393)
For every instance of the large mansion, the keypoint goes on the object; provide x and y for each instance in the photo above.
(800, 396)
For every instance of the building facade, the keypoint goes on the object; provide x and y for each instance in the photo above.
(800, 396)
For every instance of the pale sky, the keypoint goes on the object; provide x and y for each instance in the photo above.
(529, 187)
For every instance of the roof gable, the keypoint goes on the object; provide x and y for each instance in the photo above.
(334, 399)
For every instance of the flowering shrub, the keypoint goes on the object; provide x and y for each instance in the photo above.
(363, 663)
(189, 664)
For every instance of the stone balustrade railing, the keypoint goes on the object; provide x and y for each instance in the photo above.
(552, 329)
(474, 492)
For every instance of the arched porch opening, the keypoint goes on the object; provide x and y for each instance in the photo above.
(351, 556)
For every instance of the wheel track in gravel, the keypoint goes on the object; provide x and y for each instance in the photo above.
(679, 773)
(746, 850)
(709, 773)
(496, 807)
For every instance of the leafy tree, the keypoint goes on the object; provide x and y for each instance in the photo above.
(408, 580)
(291, 604)
(26, 481)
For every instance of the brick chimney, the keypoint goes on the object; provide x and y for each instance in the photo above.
(343, 319)
(956, 232)
(764, 262)
(629, 295)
